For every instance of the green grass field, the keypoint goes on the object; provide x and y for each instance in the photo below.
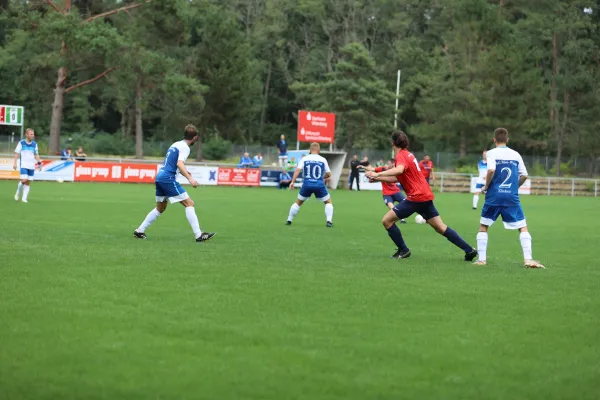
(266, 311)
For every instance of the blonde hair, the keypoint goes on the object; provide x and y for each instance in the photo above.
(315, 146)
(29, 130)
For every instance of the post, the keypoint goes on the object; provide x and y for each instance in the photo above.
(548, 186)
(441, 183)
(22, 122)
(330, 147)
(297, 145)
(596, 188)
(572, 187)
(437, 159)
(397, 94)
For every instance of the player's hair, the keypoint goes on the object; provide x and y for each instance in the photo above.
(190, 132)
(315, 146)
(29, 130)
(399, 139)
(501, 135)
(391, 160)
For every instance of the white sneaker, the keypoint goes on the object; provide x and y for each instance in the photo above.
(24, 201)
(533, 264)
(17, 197)
(479, 263)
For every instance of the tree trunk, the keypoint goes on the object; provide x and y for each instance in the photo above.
(561, 132)
(139, 133)
(263, 112)
(463, 145)
(124, 118)
(199, 143)
(57, 112)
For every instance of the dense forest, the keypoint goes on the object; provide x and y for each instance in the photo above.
(241, 69)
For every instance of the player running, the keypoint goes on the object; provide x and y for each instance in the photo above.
(167, 187)
(27, 152)
(391, 192)
(419, 199)
(482, 168)
(316, 172)
(506, 173)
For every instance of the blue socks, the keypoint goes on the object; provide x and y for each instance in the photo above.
(456, 240)
(396, 236)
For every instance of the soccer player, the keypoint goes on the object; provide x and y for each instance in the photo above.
(426, 166)
(506, 172)
(391, 191)
(27, 152)
(419, 199)
(167, 187)
(482, 168)
(315, 170)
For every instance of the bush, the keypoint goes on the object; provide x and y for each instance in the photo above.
(467, 169)
(466, 165)
(216, 149)
(538, 170)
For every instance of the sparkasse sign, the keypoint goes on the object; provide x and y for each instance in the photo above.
(314, 126)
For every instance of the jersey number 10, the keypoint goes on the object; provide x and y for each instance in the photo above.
(317, 172)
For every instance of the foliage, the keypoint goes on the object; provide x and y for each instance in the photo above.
(216, 148)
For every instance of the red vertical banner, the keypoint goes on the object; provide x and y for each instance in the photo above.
(314, 126)
(2, 114)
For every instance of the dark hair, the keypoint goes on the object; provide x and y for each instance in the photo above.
(391, 160)
(399, 139)
(501, 135)
(190, 132)
(68, 148)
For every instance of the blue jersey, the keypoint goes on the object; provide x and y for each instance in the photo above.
(482, 171)
(179, 151)
(313, 167)
(508, 166)
(27, 153)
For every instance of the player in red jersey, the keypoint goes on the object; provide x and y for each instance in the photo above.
(391, 191)
(419, 199)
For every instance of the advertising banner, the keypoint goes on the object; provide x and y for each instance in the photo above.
(314, 126)
(6, 169)
(270, 178)
(239, 177)
(204, 175)
(365, 184)
(525, 189)
(115, 172)
(56, 170)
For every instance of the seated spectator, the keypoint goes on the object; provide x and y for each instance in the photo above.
(284, 179)
(291, 165)
(66, 154)
(380, 163)
(257, 161)
(80, 155)
(245, 161)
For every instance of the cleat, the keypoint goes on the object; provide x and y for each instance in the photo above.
(398, 255)
(479, 263)
(205, 237)
(474, 208)
(16, 197)
(24, 201)
(288, 222)
(139, 235)
(470, 256)
(533, 264)
(402, 221)
(329, 224)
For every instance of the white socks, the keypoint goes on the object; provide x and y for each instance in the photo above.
(19, 187)
(329, 212)
(26, 192)
(190, 213)
(150, 218)
(294, 210)
(482, 241)
(525, 238)
(475, 200)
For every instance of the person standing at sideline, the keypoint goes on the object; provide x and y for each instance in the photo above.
(282, 148)
(426, 166)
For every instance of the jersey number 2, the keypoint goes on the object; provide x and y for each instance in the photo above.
(505, 185)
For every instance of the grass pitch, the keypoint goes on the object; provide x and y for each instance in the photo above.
(266, 311)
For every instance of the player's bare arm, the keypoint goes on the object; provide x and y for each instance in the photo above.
(39, 161)
(388, 179)
(183, 170)
(16, 159)
(488, 180)
(296, 173)
(398, 170)
(522, 180)
(366, 168)
(326, 176)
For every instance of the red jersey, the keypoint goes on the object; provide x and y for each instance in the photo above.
(387, 188)
(412, 180)
(426, 168)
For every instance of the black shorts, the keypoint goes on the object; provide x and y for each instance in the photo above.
(407, 208)
(396, 197)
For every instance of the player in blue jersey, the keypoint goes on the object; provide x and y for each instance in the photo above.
(315, 172)
(482, 170)
(168, 189)
(506, 172)
(27, 154)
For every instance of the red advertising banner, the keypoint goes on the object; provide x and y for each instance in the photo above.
(115, 172)
(316, 126)
(239, 177)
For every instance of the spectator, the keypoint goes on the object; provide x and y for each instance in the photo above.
(245, 161)
(426, 166)
(291, 165)
(282, 150)
(354, 163)
(380, 163)
(80, 155)
(257, 161)
(284, 179)
(66, 154)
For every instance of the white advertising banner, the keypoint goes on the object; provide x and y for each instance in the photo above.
(525, 189)
(204, 175)
(56, 170)
(365, 184)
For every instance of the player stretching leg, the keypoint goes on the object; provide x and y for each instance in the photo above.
(391, 191)
(482, 168)
(419, 199)
(316, 172)
(167, 187)
(27, 151)
(506, 172)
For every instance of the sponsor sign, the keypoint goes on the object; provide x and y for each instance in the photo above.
(525, 189)
(204, 175)
(6, 169)
(314, 126)
(56, 170)
(365, 184)
(115, 172)
(239, 177)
